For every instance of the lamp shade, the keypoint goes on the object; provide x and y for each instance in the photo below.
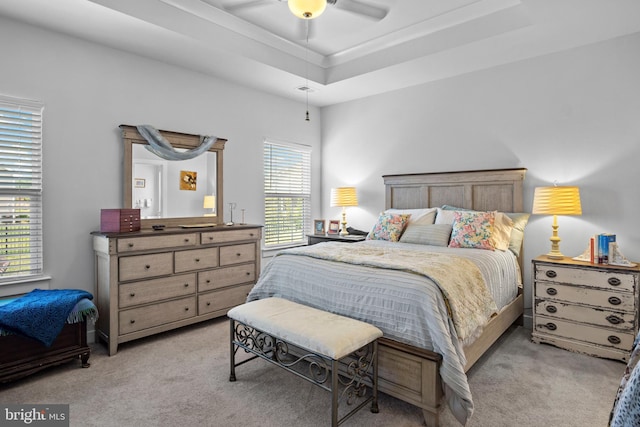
(307, 9)
(209, 202)
(344, 196)
(557, 201)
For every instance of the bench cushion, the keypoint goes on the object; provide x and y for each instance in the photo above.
(324, 333)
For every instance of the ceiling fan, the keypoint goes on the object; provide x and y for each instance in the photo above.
(310, 9)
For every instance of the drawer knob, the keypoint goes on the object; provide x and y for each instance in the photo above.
(147, 266)
(614, 281)
(551, 309)
(614, 320)
(186, 240)
(208, 280)
(186, 309)
(208, 303)
(614, 339)
(210, 238)
(248, 273)
(614, 301)
(186, 285)
(251, 234)
(132, 294)
(550, 273)
(197, 259)
(238, 254)
(551, 326)
(552, 291)
(132, 321)
(130, 245)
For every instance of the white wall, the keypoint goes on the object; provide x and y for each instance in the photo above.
(89, 90)
(573, 117)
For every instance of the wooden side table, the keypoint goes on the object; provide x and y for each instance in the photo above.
(312, 239)
(584, 307)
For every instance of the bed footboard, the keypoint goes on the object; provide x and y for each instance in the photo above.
(412, 374)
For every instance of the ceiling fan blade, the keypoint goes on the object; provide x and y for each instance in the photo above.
(358, 8)
(235, 7)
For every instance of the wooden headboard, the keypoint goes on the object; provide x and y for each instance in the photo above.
(483, 190)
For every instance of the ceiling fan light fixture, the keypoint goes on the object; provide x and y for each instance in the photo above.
(307, 9)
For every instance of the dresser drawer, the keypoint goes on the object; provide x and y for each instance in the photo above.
(164, 241)
(591, 334)
(210, 237)
(227, 276)
(196, 259)
(146, 291)
(145, 266)
(583, 314)
(237, 253)
(149, 316)
(223, 300)
(604, 279)
(619, 301)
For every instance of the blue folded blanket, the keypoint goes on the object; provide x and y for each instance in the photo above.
(41, 314)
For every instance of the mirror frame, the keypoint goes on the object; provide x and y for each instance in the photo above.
(130, 136)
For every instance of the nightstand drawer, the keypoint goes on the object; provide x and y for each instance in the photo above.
(619, 301)
(611, 279)
(591, 334)
(582, 314)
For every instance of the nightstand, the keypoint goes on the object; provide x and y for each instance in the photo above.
(312, 239)
(584, 307)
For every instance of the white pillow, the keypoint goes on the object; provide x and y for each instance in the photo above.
(418, 216)
(444, 216)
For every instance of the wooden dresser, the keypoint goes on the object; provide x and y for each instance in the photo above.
(584, 307)
(153, 281)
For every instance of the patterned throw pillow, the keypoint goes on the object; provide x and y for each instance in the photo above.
(472, 230)
(389, 227)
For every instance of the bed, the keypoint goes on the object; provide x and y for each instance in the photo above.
(414, 365)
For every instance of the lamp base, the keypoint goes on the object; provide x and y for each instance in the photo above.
(552, 255)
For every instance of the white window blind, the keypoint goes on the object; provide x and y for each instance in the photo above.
(287, 193)
(20, 187)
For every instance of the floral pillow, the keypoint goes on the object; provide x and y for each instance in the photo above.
(389, 227)
(472, 230)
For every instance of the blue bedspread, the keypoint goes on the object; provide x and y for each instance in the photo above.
(41, 314)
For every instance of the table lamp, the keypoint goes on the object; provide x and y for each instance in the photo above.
(210, 203)
(556, 201)
(344, 197)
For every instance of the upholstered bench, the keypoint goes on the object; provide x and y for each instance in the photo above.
(331, 351)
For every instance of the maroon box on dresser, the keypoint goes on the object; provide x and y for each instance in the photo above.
(119, 220)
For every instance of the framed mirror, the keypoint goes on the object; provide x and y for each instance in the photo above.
(173, 192)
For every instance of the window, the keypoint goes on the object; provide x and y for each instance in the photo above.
(287, 193)
(20, 187)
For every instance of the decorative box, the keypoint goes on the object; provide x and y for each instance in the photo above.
(119, 220)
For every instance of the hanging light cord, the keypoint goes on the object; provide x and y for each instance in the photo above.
(306, 71)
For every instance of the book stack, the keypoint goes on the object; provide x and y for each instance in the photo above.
(600, 247)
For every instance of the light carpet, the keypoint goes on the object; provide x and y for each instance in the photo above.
(180, 378)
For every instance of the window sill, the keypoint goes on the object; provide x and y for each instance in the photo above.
(23, 285)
